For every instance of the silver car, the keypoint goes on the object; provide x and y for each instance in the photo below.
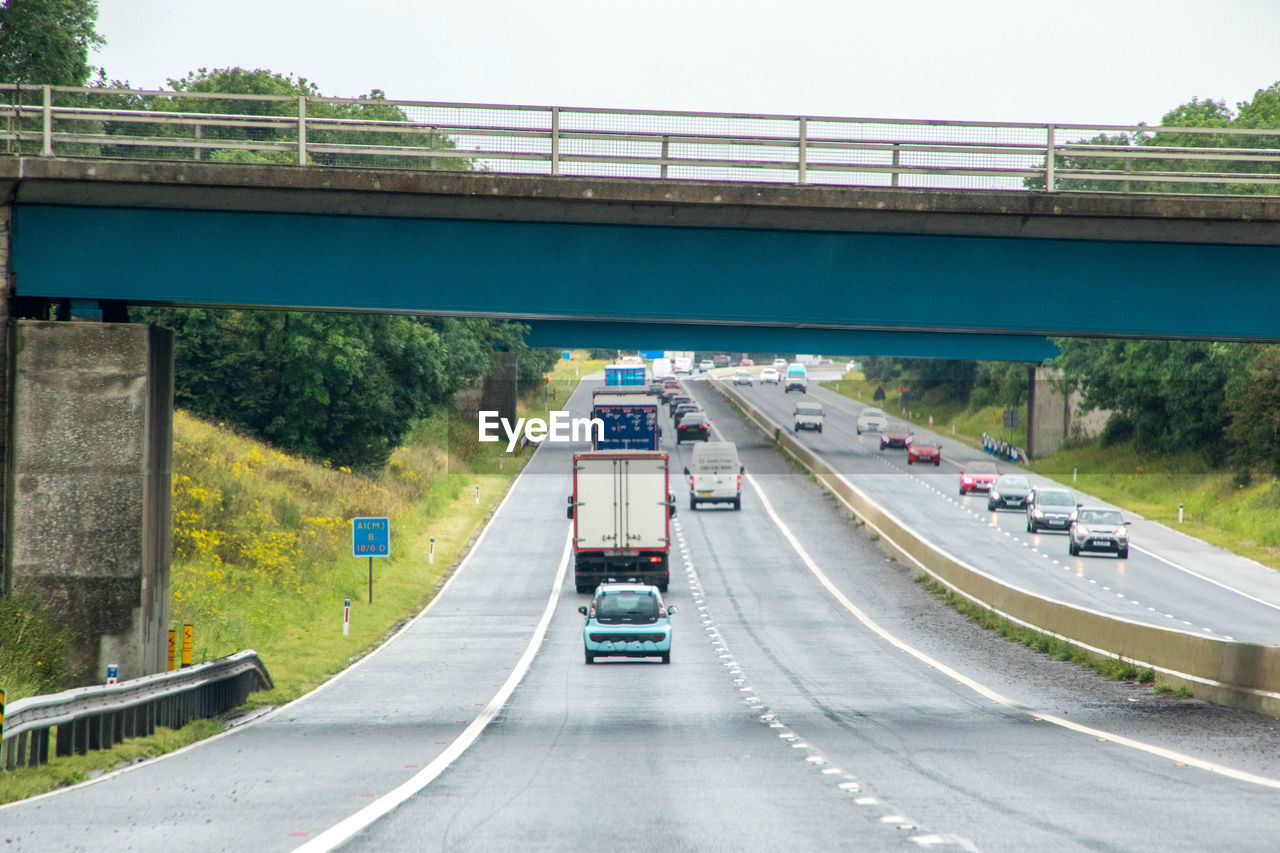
(808, 416)
(872, 420)
(1099, 529)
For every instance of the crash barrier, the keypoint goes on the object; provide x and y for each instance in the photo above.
(99, 717)
(1243, 675)
(1003, 449)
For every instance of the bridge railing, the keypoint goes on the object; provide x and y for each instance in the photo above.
(676, 145)
(93, 718)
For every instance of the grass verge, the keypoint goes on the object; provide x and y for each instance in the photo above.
(1046, 644)
(262, 554)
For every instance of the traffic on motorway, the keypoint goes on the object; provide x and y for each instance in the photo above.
(792, 687)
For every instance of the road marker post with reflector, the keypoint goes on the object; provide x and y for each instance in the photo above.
(1, 715)
(477, 494)
(431, 551)
(188, 639)
(346, 618)
(173, 642)
(113, 673)
(1179, 513)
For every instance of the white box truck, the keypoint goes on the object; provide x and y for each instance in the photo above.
(621, 509)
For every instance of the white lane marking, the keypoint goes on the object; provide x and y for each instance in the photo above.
(1196, 574)
(981, 689)
(466, 560)
(345, 829)
(1138, 548)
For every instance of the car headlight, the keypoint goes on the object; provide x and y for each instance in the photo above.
(994, 493)
(1037, 512)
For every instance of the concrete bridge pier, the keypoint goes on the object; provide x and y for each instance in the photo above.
(87, 486)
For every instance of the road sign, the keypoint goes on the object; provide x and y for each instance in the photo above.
(566, 355)
(370, 537)
(1011, 418)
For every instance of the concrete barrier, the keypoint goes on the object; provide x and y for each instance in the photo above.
(1242, 675)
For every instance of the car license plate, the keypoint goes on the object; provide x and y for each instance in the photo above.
(1015, 502)
(705, 494)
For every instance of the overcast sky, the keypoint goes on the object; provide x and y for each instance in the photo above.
(1096, 61)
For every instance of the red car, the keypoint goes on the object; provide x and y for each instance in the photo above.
(924, 450)
(896, 436)
(978, 477)
(746, 362)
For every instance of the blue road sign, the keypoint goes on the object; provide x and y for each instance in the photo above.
(566, 355)
(370, 537)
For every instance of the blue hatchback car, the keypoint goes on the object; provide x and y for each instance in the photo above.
(627, 620)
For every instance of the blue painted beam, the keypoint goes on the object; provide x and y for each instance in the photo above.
(785, 341)
(621, 273)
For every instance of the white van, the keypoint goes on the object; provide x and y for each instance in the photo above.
(715, 475)
(797, 379)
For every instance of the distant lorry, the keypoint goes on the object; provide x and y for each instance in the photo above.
(621, 509)
(630, 422)
(625, 374)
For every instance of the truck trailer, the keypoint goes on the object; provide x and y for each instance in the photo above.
(625, 374)
(630, 422)
(621, 509)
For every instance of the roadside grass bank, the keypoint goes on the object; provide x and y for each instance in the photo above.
(1114, 669)
(1217, 507)
(262, 556)
(969, 425)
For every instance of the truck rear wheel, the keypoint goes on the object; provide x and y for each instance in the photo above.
(737, 502)
(693, 502)
(582, 588)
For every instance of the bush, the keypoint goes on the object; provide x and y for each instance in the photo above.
(33, 654)
(1119, 428)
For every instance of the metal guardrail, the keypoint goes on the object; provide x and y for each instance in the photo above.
(98, 717)
(735, 147)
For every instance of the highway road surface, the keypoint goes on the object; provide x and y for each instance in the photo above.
(817, 699)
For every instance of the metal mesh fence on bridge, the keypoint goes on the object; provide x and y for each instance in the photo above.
(639, 144)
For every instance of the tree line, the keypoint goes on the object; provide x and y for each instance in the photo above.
(345, 388)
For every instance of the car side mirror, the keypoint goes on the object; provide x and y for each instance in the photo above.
(671, 611)
(742, 469)
(1127, 523)
(583, 610)
(568, 513)
(686, 471)
(671, 505)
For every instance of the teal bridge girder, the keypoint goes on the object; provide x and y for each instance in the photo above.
(653, 264)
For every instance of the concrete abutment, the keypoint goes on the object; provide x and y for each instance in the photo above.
(88, 481)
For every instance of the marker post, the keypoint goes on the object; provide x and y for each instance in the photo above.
(477, 494)
(431, 552)
(113, 674)
(346, 617)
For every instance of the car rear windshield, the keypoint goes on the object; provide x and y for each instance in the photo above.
(808, 409)
(1100, 516)
(1054, 498)
(1014, 483)
(632, 607)
(981, 468)
(693, 419)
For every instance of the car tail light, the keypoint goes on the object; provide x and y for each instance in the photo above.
(739, 482)
(690, 482)
(655, 559)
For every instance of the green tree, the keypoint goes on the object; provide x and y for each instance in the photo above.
(1172, 393)
(1254, 406)
(48, 41)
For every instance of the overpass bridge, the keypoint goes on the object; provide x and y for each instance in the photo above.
(608, 228)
